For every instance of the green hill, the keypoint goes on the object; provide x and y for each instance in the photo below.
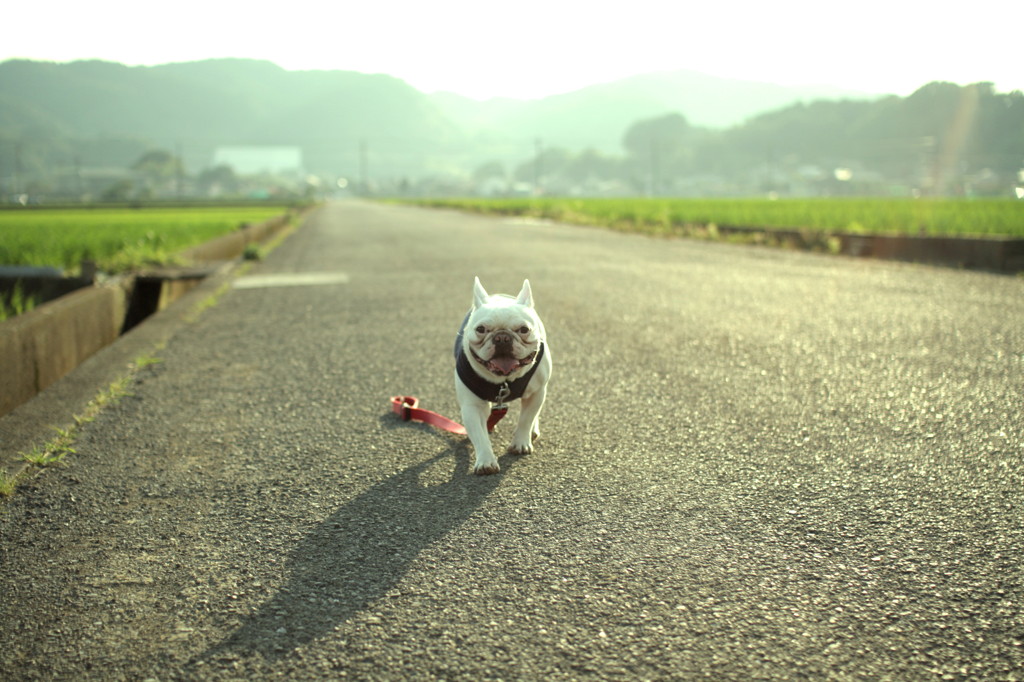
(674, 132)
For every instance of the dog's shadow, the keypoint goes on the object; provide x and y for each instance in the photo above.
(358, 554)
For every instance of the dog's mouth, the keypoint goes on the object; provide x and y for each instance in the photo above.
(504, 365)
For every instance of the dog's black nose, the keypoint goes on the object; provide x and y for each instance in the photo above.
(502, 339)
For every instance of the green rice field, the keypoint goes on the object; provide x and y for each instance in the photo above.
(931, 217)
(117, 239)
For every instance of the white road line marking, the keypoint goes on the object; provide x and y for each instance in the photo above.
(290, 279)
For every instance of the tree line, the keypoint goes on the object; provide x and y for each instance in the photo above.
(943, 139)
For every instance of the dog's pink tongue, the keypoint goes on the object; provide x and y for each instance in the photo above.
(505, 365)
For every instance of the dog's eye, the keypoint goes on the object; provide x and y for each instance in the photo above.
(524, 330)
(481, 329)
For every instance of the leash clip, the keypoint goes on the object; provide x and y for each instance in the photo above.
(503, 393)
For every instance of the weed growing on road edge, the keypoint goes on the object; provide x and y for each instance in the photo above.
(214, 298)
(281, 235)
(54, 451)
(207, 303)
(147, 360)
(253, 254)
(7, 484)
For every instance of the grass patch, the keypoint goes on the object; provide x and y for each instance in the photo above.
(147, 360)
(8, 484)
(54, 451)
(929, 217)
(17, 303)
(253, 252)
(117, 239)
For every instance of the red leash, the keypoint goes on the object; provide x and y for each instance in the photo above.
(408, 408)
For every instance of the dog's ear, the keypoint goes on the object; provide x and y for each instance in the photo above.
(479, 294)
(525, 295)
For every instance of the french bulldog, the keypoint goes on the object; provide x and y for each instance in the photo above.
(501, 355)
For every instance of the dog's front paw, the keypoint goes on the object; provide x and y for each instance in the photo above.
(486, 468)
(520, 449)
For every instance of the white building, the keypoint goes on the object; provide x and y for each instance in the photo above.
(257, 160)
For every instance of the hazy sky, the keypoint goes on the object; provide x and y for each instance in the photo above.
(533, 48)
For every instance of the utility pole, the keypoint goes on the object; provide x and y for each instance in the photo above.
(364, 166)
(79, 188)
(179, 171)
(655, 171)
(16, 180)
(538, 166)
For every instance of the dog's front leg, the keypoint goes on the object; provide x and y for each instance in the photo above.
(474, 417)
(528, 428)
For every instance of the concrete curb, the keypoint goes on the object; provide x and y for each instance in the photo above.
(995, 254)
(39, 347)
(34, 422)
(233, 244)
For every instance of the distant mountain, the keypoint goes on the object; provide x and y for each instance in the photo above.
(676, 132)
(198, 106)
(597, 116)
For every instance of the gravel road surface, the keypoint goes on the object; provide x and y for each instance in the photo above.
(754, 464)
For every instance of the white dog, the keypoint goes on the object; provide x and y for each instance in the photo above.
(501, 355)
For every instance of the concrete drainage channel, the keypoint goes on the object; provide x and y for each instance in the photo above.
(993, 254)
(39, 347)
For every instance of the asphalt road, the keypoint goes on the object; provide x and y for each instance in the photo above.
(754, 464)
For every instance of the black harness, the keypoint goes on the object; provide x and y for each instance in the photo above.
(484, 389)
